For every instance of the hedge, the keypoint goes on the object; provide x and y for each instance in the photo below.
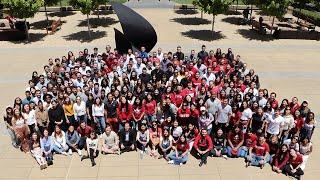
(308, 15)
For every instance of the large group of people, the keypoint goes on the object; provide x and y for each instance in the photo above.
(165, 105)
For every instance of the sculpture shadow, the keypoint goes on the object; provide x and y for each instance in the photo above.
(103, 12)
(186, 11)
(191, 21)
(33, 37)
(62, 13)
(254, 35)
(98, 22)
(83, 36)
(204, 35)
(42, 24)
(232, 20)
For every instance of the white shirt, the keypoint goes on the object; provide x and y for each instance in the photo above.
(79, 110)
(83, 71)
(274, 125)
(223, 114)
(288, 122)
(30, 117)
(98, 110)
(246, 114)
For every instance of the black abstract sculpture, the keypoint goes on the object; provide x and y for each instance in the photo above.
(137, 31)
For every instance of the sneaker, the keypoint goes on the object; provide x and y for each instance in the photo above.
(141, 154)
(70, 152)
(225, 156)
(200, 164)
(64, 153)
(93, 164)
(41, 167)
(170, 162)
(45, 166)
(118, 152)
(79, 152)
(180, 164)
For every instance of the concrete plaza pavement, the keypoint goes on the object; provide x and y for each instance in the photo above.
(288, 67)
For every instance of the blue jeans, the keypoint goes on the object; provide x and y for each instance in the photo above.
(178, 160)
(255, 160)
(60, 149)
(101, 123)
(150, 119)
(243, 151)
(14, 140)
(229, 150)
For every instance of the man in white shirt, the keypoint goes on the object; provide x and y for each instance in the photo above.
(223, 114)
(274, 126)
(139, 66)
(160, 54)
(209, 75)
(84, 68)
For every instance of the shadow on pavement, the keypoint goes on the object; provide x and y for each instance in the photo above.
(98, 22)
(204, 35)
(191, 21)
(33, 37)
(186, 11)
(62, 14)
(42, 24)
(254, 35)
(232, 20)
(83, 36)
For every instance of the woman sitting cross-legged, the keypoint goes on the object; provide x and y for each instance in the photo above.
(143, 139)
(59, 141)
(165, 144)
(293, 166)
(110, 141)
(92, 148)
(280, 159)
(72, 139)
(259, 153)
(180, 154)
(36, 151)
(46, 143)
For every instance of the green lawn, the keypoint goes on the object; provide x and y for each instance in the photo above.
(190, 1)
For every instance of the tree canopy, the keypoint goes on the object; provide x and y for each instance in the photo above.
(23, 8)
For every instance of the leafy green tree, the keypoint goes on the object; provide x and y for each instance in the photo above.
(85, 6)
(251, 3)
(48, 3)
(23, 9)
(97, 3)
(275, 8)
(301, 4)
(213, 7)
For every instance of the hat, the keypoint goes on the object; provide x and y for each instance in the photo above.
(202, 108)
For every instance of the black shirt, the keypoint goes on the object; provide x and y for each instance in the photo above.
(111, 108)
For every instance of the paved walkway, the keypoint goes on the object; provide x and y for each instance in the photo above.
(150, 4)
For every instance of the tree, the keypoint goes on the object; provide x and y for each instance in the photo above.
(48, 3)
(85, 6)
(195, 3)
(275, 8)
(251, 3)
(97, 3)
(213, 7)
(301, 4)
(23, 9)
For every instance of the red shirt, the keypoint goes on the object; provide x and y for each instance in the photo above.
(296, 162)
(155, 133)
(182, 147)
(187, 91)
(178, 99)
(235, 138)
(150, 107)
(294, 107)
(196, 82)
(124, 113)
(137, 111)
(261, 150)
(250, 140)
(84, 132)
(280, 160)
(298, 124)
(274, 104)
(203, 142)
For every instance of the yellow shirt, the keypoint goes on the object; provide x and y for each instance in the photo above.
(68, 109)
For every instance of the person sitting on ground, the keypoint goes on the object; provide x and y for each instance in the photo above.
(92, 148)
(59, 141)
(293, 166)
(46, 144)
(259, 153)
(180, 152)
(143, 139)
(250, 140)
(84, 132)
(165, 144)
(235, 141)
(110, 142)
(203, 145)
(219, 144)
(155, 133)
(127, 137)
(280, 159)
(73, 139)
(36, 150)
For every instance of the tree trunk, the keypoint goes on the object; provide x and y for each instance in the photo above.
(272, 24)
(88, 23)
(299, 15)
(251, 9)
(60, 5)
(47, 19)
(237, 5)
(213, 19)
(27, 29)
(98, 13)
(201, 14)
